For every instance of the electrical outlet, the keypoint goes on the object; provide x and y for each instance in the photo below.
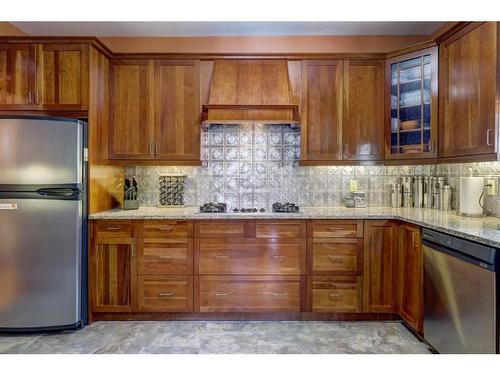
(353, 186)
(492, 186)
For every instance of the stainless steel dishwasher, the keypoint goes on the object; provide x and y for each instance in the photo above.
(461, 294)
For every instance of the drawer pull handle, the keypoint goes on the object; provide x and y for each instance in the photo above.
(164, 257)
(169, 294)
(334, 295)
(222, 257)
(113, 228)
(219, 294)
(280, 295)
(278, 257)
(335, 259)
(165, 229)
(335, 228)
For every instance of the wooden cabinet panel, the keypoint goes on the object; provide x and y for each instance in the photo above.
(280, 229)
(17, 76)
(113, 275)
(63, 76)
(321, 120)
(166, 293)
(335, 257)
(363, 114)
(342, 294)
(249, 256)
(131, 125)
(381, 264)
(335, 228)
(224, 228)
(166, 229)
(113, 228)
(165, 256)
(469, 66)
(249, 294)
(411, 293)
(177, 110)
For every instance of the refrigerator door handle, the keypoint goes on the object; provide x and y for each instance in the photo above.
(61, 192)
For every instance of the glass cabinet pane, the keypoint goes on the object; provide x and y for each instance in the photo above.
(411, 98)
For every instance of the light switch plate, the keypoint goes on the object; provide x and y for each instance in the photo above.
(492, 186)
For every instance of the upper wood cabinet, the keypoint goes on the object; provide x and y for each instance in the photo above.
(177, 110)
(62, 76)
(131, 125)
(469, 90)
(411, 109)
(363, 115)
(411, 292)
(17, 76)
(321, 118)
(381, 266)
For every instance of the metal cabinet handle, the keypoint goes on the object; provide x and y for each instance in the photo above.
(113, 228)
(219, 294)
(30, 96)
(334, 228)
(335, 259)
(279, 295)
(37, 97)
(167, 294)
(164, 257)
(165, 229)
(132, 249)
(278, 257)
(488, 140)
(334, 295)
(413, 240)
(157, 146)
(151, 150)
(222, 257)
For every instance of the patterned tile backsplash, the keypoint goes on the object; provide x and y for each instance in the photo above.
(254, 165)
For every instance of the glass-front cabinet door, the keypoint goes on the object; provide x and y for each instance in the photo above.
(411, 126)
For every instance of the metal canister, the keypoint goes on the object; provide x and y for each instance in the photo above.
(445, 197)
(427, 199)
(408, 191)
(396, 195)
(437, 183)
(418, 191)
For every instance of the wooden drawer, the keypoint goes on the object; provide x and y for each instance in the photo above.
(224, 228)
(166, 293)
(249, 294)
(166, 229)
(166, 256)
(335, 257)
(250, 256)
(280, 229)
(113, 228)
(335, 228)
(335, 294)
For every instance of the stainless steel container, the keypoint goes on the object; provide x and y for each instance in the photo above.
(408, 191)
(418, 191)
(445, 197)
(436, 183)
(396, 195)
(427, 199)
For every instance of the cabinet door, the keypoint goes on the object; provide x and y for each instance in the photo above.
(469, 64)
(177, 110)
(321, 138)
(17, 76)
(381, 264)
(363, 122)
(62, 76)
(113, 275)
(131, 127)
(410, 276)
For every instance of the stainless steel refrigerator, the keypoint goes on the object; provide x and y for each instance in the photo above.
(43, 231)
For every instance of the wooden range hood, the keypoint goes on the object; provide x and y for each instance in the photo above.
(250, 90)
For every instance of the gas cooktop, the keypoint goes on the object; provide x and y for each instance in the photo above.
(211, 208)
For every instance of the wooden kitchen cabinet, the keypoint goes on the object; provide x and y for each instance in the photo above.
(340, 294)
(131, 125)
(17, 77)
(380, 266)
(363, 110)
(411, 293)
(62, 76)
(113, 275)
(321, 118)
(412, 105)
(469, 92)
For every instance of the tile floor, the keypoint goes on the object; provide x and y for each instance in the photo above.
(222, 337)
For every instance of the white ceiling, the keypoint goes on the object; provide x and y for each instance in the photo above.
(225, 28)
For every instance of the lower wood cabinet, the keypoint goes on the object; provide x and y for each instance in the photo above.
(250, 293)
(113, 275)
(381, 266)
(341, 256)
(165, 256)
(342, 294)
(411, 291)
(165, 293)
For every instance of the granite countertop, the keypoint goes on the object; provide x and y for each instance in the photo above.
(484, 230)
